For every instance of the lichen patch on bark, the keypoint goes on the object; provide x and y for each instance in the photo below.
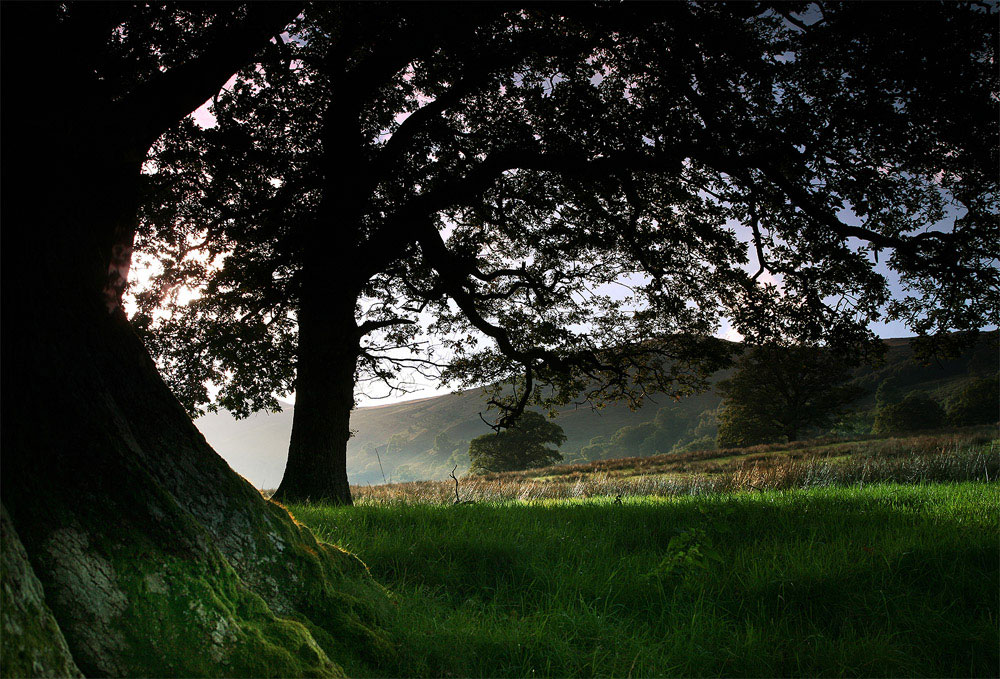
(33, 645)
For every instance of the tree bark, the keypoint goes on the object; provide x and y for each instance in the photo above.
(155, 558)
(33, 643)
(144, 540)
(329, 341)
(328, 349)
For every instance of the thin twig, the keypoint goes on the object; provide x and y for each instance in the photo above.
(379, 458)
(452, 475)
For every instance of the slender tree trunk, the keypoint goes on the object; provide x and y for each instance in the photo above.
(329, 341)
(324, 397)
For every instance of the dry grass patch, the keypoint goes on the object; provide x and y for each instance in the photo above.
(965, 455)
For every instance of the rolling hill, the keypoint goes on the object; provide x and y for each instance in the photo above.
(401, 440)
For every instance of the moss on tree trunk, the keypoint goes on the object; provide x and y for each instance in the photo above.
(33, 645)
(155, 558)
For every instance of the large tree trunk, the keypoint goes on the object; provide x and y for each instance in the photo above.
(157, 559)
(154, 557)
(324, 397)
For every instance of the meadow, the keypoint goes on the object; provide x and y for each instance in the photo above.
(840, 578)
(966, 454)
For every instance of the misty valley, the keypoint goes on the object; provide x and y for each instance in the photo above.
(709, 294)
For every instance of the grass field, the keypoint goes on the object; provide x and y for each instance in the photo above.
(967, 454)
(878, 580)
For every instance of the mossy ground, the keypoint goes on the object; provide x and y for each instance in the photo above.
(885, 579)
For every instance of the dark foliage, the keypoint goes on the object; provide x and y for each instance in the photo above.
(522, 446)
(553, 190)
(916, 411)
(977, 403)
(778, 392)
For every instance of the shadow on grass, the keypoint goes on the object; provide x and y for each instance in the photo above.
(898, 580)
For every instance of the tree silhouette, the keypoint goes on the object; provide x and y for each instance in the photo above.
(522, 446)
(504, 170)
(777, 392)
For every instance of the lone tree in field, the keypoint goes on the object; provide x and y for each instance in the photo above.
(777, 392)
(575, 196)
(522, 446)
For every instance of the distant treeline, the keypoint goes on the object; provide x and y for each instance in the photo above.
(908, 393)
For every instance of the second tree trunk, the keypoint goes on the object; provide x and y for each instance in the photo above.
(316, 470)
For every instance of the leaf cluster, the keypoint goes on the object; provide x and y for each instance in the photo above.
(522, 446)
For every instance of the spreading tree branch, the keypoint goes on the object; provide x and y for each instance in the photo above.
(398, 231)
(157, 104)
(372, 326)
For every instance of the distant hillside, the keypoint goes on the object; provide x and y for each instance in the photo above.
(409, 445)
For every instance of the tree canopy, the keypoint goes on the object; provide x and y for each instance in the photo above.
(572, 198)
(777, 392)
(914, 412)
(522, 446)
(977, 403)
